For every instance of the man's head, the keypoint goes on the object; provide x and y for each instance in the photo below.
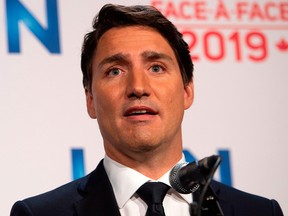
(111, 16)
(138, 82)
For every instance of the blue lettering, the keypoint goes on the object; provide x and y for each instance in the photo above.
(78, 167)
(224, 168)
(17, 12)
(188, 156)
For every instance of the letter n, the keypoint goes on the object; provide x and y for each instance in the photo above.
(17, 12)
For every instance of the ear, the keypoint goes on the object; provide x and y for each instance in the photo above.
(188, 95)
(90, 104)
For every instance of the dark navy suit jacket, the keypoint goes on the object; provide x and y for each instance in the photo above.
(93, 195)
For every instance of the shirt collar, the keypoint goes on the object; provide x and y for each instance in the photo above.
(126, 181)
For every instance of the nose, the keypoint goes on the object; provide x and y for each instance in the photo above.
(138, 84)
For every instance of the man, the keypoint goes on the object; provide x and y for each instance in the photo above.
(137, 75)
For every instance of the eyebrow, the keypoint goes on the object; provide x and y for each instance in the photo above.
(124, 58)
(152, 55)
(119, 57)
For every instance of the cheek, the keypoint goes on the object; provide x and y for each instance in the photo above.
(105, 102)
(177, 102)
(175, 94)
(173, 102)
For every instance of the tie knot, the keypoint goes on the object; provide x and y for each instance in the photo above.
(153, 192)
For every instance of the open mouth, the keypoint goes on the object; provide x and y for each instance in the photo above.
(139, 111)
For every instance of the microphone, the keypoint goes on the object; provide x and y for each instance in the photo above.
(188, 177)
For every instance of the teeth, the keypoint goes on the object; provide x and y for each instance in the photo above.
(139, 112)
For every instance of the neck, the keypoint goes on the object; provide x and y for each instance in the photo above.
(157, 167)
(153, 164)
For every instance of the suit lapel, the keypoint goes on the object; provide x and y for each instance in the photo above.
(226, 207)
(98, 196)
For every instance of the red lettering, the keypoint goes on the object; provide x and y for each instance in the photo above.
(214, 43)
(270, 11)
(182, 7)
(256, 41)
(200, 10)
(208, 45)
(236, 39)
(241, 9)
(284, 11)
(268, 8)
(256, 12)
(245, 10)
(192, 40)
(221, 12)
(170, 10)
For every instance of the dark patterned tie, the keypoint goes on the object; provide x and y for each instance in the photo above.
(153, 194)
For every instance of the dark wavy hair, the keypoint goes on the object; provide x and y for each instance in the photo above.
(111, 16)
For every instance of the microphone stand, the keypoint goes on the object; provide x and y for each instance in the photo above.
(204, 200)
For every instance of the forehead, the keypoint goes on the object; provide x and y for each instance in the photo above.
(131, 41)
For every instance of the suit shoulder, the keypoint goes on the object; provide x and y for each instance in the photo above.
(59, 193)
(228, 192)
(247, 203)
(58, 201)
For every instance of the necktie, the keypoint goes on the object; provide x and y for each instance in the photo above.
(153, 194)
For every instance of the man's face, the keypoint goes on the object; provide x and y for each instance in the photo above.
(137, 93)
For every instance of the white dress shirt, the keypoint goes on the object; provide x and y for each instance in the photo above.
(126, 181)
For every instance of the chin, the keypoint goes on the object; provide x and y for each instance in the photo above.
(145, 147)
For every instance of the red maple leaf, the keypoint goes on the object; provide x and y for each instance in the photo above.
(282, 45)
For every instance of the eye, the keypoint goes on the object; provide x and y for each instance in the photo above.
(114, 72)
(156, 68)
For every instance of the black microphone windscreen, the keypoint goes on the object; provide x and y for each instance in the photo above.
(184, 177)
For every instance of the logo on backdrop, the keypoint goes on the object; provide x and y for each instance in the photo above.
(78, 166)
(17, 13)
(240, 30)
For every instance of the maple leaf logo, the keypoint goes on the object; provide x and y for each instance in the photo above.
(282, 45)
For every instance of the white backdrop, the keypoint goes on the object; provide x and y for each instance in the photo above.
(241, 94)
